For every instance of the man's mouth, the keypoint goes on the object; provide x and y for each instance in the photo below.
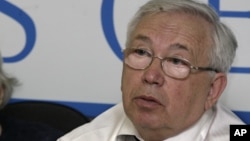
(147, 102)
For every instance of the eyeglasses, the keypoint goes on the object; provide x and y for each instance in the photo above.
(140, 59)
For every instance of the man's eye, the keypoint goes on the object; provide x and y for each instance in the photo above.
(141, 52)
(177, 61)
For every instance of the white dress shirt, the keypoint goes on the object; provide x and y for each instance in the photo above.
(114, 125)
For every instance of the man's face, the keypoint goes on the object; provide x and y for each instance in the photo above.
(155, 101)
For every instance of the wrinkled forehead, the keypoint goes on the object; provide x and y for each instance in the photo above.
(190, 28)
(168, 29)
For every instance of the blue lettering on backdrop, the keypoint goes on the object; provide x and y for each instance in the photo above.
(107, 19)
(26, 22)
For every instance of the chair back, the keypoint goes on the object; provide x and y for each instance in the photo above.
(59, 116)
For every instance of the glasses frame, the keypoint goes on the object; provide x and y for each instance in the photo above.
(127, 51)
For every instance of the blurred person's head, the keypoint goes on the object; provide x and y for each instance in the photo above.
(7, 85)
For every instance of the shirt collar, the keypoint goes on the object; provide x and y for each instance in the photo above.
(127, 128)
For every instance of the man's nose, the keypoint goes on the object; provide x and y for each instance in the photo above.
(154, 74)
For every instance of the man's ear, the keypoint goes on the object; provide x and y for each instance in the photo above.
(218, 85)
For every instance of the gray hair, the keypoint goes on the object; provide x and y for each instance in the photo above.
(224, 42)
(7, 84)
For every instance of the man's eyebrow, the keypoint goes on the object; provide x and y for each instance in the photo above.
(171, 47)
(143, 38)
(178, 46)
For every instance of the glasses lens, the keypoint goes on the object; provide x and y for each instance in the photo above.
(176, 67)
(138, 58)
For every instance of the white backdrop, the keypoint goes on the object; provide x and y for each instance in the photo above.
(65, 50)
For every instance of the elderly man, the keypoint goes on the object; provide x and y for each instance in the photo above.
(175, 69)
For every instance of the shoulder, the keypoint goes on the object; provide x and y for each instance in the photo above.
(222, 113)
(105, 126)
(220, 127)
